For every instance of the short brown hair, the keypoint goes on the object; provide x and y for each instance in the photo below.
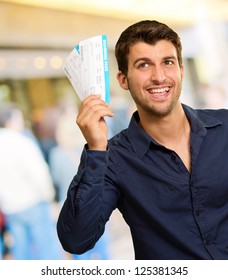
(148, 31)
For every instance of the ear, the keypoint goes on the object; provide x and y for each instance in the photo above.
(122, 79)
(182, 71)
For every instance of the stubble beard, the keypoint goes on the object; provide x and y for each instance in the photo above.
(157, 110)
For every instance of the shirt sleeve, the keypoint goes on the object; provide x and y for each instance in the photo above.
(90, 201)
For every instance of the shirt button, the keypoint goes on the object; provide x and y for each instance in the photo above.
(93, 166)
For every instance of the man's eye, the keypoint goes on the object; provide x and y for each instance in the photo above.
(143, 65)
(169, 62)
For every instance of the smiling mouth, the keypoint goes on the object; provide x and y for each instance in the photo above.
(158, 90)
(159, 93)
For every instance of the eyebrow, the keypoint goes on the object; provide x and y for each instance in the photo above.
(170, 57)
(141, 59)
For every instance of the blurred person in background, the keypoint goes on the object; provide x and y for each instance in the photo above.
(44, 125)
(4, 250)
(63, 161)
(166, 172)
(26, 191)
(2, 225)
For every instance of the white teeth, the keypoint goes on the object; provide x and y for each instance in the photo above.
(160, 90)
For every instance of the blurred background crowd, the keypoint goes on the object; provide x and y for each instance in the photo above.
(40, 144)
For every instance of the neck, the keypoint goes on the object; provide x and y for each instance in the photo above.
(172, 131)
(168, 130)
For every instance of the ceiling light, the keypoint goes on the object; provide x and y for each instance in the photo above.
(40, 62)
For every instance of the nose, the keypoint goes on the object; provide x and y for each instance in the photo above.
(157, 74)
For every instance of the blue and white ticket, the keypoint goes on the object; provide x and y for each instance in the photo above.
(87, 68)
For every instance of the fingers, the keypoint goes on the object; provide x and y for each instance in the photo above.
(92, 123)
(93, 109)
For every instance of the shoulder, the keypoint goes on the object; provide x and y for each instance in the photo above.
(11, 137)
(214, 112)
(118, 138)
(206, 117)
(120, 141)
(219, 114)
(207, 112)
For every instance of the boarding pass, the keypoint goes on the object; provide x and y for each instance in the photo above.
(87, 68)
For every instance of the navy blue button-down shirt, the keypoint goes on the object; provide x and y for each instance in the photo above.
(172, 214)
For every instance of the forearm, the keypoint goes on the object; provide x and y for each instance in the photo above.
(88, 205)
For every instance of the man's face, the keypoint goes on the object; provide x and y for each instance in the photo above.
(154, 77)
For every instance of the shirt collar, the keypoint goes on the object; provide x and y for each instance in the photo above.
(140, 140)
(200, 119)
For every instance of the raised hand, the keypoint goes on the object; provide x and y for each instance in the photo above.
(92, 123)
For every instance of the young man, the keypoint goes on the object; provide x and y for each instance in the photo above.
(165, 172)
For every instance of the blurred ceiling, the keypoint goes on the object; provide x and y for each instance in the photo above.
(51, 28)
(62, 22)
(180, 12)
